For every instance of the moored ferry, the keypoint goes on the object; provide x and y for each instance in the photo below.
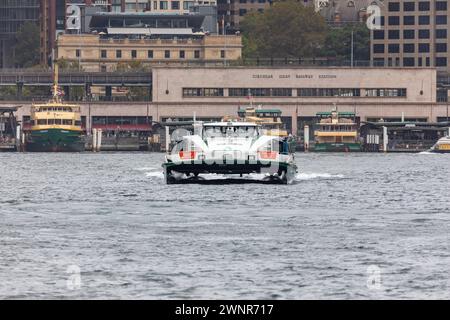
(56, 126)
(337, 132)
(269, 120)
(442, 146)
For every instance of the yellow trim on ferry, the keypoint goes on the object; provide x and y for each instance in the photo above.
(443, 147)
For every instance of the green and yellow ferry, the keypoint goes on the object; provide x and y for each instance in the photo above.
(56, 126)
(336, 132)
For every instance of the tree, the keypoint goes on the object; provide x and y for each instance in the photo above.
(135, 93)
(27, 45)
(287, 29)
(338, 43)
(76, 93)
(69, 65)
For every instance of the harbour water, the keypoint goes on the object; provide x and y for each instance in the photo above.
(105, 225)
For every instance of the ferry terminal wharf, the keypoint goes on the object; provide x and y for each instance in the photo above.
(177, 92)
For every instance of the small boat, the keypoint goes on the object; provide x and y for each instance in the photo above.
(56, 126)
(442, 146)
(336, 132)
(230, 148)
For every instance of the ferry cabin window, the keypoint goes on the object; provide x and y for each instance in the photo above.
(51, 121)
(220, 132)
(58, 121)
(42, 122)
(67, 122)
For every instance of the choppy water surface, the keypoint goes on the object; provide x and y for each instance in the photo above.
(347, 217)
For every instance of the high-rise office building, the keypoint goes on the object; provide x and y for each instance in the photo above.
(13, 14)
(412, 34)
(231, 12)
(53, 16)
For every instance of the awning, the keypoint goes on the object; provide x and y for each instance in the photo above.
(127, 31)
(171, 31)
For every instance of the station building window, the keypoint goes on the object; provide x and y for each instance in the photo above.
(187, 4)
(385, 92)
(133, 54)
(150, 54)
(329, 92)
(104, 54)
(175, 5)
(260, 92)
(167, 54)
(202, 92)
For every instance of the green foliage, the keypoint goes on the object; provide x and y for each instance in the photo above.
(69, 65)
(27, 45)
(132, 67)
(8, 91)
(135, 93)
(286, 29)
(338, 43)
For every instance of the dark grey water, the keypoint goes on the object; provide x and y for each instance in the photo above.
(352, 226)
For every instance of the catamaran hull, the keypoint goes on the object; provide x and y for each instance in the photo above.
(283, 173)
(55, 140)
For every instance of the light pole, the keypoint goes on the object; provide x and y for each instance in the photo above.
(351, 4)
(351, 57)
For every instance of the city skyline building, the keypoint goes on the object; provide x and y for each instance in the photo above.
(412, 34)
(13, 14)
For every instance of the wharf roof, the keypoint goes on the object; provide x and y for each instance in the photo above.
(8, 109)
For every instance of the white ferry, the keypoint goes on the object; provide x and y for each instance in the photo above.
(230, 148)
(442, 146)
